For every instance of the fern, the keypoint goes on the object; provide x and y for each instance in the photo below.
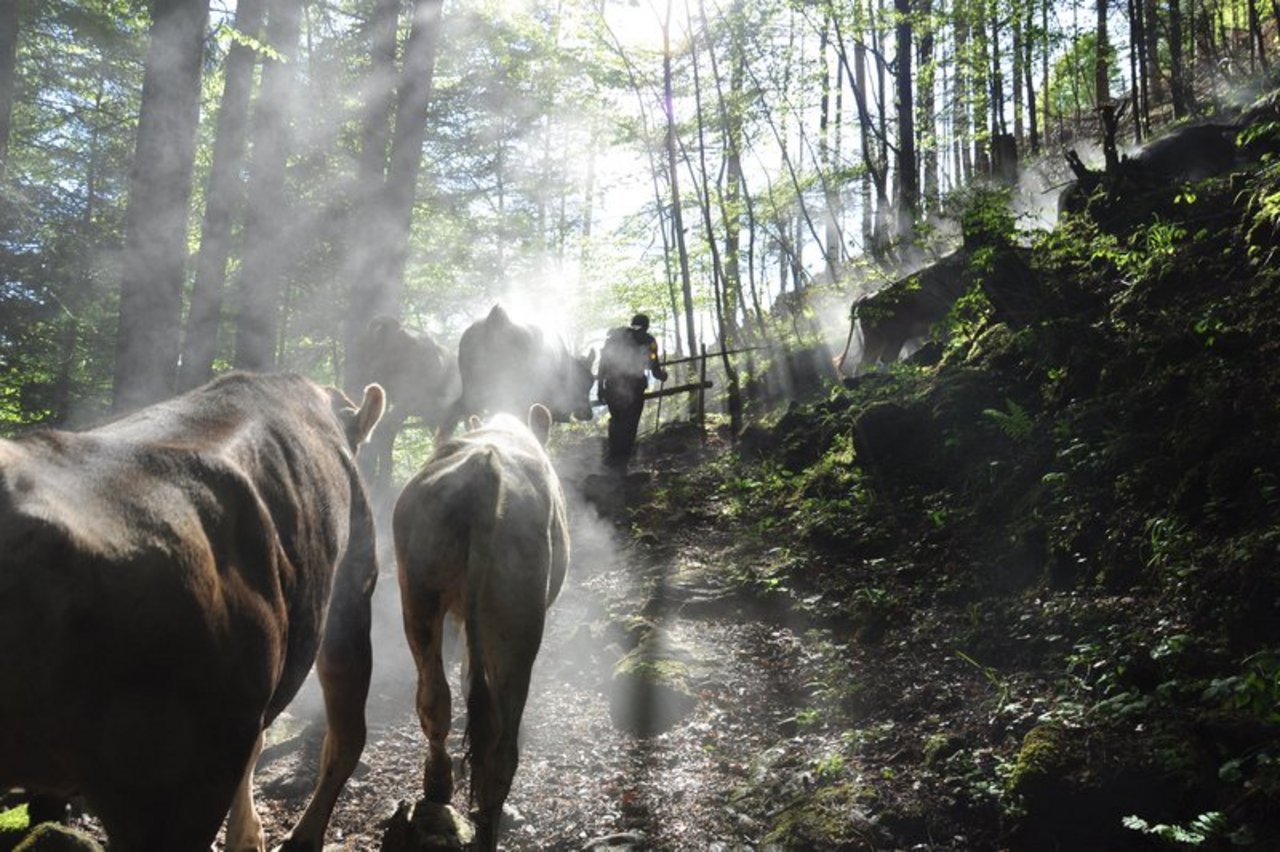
(1203, 828)
(1014, 421)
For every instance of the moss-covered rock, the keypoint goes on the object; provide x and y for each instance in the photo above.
(832, 818)
(650, 691)
(1076, 785)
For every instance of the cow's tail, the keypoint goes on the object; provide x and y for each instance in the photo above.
(481, 733)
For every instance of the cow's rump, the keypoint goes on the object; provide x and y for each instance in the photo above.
(163, 585)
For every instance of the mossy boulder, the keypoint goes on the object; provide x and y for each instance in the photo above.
(651, 691)
(1076, 786)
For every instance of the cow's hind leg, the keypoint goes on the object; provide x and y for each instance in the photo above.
(344, 666)
(424, 626)
(510, 668)
(244, 828)
(166, 781)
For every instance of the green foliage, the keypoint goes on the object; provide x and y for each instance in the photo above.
(1014, 421)
(1207, 826)
(1262, 196)
(1152, 249)
(986, 216)
(1256, 690)
(967, 319)
(14, 819)
(1071, 81)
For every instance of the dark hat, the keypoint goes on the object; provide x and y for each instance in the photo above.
(640, 321)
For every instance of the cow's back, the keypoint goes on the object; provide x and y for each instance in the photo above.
(163, 580)
(506, 366)
(449, 500)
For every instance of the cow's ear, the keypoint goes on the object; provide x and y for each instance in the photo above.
(474, 422)
(540, 422)
(360, 422)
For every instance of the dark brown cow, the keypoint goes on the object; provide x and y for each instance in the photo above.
(506, 366)
(481, 532)
(421, 380)
(163, 587)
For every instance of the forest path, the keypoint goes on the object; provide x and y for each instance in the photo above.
(581, 777)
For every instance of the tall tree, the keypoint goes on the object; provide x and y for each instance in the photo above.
(1177, 71)
(223, 198)
(1028, 68)
(928, 124)
(268, 246)
(159, 194)
(8, 67)
(1101, 58)
(677, 218)
(908, 174)
(378, 285)
(1138, 50)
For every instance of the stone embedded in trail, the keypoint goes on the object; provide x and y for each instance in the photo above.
(651, 691)
(426, 827)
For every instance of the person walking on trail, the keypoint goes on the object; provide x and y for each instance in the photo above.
(627, 354)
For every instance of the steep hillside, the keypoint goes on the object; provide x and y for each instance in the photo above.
(1054, 552)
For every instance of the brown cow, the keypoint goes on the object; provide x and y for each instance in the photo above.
(507, 366)
(163, 587)
(421, 380)
(481, 532)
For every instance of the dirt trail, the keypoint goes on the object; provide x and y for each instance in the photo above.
(581, 778)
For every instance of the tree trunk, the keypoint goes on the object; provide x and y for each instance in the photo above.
(1137, 30)
(874, 171)
(831, 242)
(731, 193)
(1151, 32)
(156, 218)
(8, 70)
(908, 176)
(267, 251)
(1135, 76)
(1015, 78)
(1255, 37)
(1101, 83)
(223, 198)
(1033, 129)
(361, 234)
(928, 125)
(379, 289)
(960, 99)
(727, 331)
(998, 124)
(858, 82)
(1177, 74)
(883, 226)
(677, 217)
(980, 92)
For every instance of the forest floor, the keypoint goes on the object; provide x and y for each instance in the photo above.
(757, 741)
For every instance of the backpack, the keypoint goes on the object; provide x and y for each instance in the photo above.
(623, 354)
